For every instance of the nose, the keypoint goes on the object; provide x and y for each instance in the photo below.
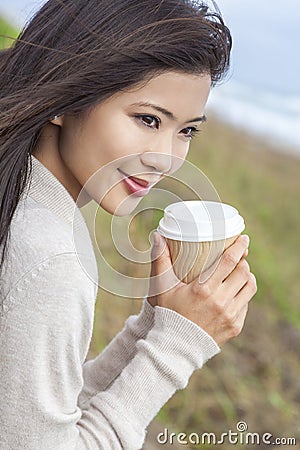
(159, 161)
(166, 156)
(159, 155)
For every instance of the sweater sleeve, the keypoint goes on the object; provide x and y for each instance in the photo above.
(100, 372)
(46, 331)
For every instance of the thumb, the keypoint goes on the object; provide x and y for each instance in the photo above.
(162, 276)
(160, 256)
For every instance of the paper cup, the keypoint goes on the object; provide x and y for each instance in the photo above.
(197, 233)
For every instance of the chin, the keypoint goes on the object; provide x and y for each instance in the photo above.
(120, 206)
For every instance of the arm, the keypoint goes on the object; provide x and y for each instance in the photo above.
(47, 331)
(163, 363)
(100, 372)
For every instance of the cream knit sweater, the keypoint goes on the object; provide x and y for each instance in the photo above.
(51, 399)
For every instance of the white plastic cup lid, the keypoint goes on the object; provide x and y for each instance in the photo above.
(200, 221)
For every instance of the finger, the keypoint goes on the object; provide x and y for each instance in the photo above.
(240, 303)
(229, 260)
(162, 276)
(247, 292)
(240, 321)
(242, 299)
(160, 255)
(156, 251)
(236, 280)
(204, 276)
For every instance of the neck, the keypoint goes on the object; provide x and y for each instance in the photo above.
(47, 152)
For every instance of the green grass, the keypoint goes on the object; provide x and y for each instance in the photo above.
(7, 32)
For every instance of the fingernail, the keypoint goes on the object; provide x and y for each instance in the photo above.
(156, 239)
(246, 238)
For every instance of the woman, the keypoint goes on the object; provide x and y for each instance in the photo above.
(117, 88)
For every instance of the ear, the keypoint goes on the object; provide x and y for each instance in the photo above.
(57, 120)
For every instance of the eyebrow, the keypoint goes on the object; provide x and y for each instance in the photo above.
(169, 114)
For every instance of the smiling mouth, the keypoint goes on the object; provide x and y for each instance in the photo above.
(136, 185)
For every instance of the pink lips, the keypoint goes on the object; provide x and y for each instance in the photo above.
(136, 186)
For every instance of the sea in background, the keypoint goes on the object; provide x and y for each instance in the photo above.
(262, 91)
(274, 116)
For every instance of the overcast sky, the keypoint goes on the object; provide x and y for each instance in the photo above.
(266, 40)
(265, 35)
(18, 11)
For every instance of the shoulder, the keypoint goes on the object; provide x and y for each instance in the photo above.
(38, 238)
(37, 233)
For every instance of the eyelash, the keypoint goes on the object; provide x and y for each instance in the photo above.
(193, 130)
(141, 118)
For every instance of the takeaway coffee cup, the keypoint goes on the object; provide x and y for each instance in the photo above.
(197, 233)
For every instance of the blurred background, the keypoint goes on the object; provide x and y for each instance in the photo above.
(250, 150)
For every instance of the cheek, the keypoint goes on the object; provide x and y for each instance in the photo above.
(117, 139)
(180, 153)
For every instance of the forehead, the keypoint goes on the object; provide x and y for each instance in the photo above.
(172, 80)
(180, 93)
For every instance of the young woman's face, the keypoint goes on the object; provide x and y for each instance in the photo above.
(128, 143)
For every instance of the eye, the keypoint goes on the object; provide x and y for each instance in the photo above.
(190, 132)
(148, 120)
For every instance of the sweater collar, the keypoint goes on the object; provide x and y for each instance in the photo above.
(45, 188)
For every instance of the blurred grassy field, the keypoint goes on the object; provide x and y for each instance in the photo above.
(256, 378)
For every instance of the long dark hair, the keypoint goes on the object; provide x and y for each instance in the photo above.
(74, 54)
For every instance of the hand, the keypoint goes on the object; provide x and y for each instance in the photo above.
(220, 304)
